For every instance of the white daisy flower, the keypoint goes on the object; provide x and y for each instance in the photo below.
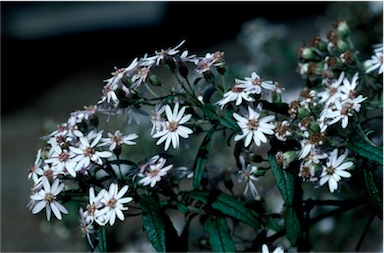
(235, 94)
(117, 139)
(264, 249)
(154, 173)
(332, 89)
(94, 205)
(335, 170)
(348, 89)
(254, 128)
(35, 171)
(255, 84)
(114, 203)
(46, 198)
(174, 128)
(247, 175)
(157, 121)
(87, 152)
(86, 227)
(61, 160)
(343, 110)
(376, 61)
(163, 54)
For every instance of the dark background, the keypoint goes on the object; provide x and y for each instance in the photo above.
(31, 62)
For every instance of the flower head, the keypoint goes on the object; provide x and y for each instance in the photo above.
(114, 202)
(335, 170)
(46, 198)
(117, 139)
(253, 127)
(174, 128)
(154, 172)
(247, 175)
(255, 84)
(87, 151)
(376, 61)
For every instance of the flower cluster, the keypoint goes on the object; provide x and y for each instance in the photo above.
(309, 138)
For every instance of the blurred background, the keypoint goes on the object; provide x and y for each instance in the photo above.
(55, 56)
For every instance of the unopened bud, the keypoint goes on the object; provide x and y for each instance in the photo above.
(342, 28)
(183, 69)
(307, 53)
(154, 80)
(208, 76)
(221, 68)
(285, 158)
(342, 45)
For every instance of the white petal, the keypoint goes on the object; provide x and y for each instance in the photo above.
(119, 214)
(167, 142)
(56, 211)
(343, 173)
(332, 183)
(248, 139)
(122, 192)
(38, 207)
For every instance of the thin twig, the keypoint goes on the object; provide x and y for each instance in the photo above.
(365, 232)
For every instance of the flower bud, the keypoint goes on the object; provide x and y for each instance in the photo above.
(316, 42)
(307, 53)
(342, 45)
(221, 68)
(285, 158)
(208, 76)
(154, 80)
(183, 69)
(342, 28)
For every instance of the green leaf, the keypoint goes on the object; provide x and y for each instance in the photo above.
(153, 222)
(210, 112)
(201, 158)
(272, 224)
(227, 120)
(102, 238)
(219, 234)
(227, 205)
(374, 198)
(292, 225)
(368, 151)
(285, 181)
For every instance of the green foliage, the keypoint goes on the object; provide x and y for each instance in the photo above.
(219, 234)
(366, 150)
(227, 205)
(201, 159)
(153, 222)
(285, 181)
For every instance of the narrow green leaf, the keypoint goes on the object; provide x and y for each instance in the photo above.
(226, 121)
(374, 196)
(368, 151)
(229, 122)
(219, 234)
(272, 224)
(102, 238)
(202, 158)
(209, 112)
(285, 181)
(292, 225)
(228, 205)
(153, 222)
